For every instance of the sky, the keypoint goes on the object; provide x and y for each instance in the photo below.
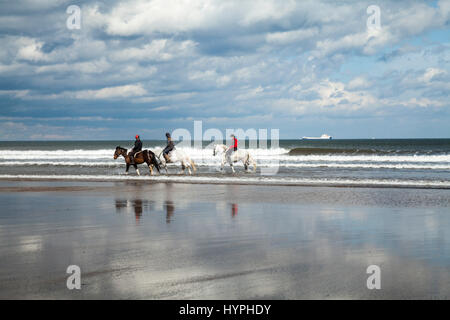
(148, 67)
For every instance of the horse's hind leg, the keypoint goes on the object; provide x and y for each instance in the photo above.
(137, 170)
(253, 163)
(164, 164)
(150, 167)
(188, 166)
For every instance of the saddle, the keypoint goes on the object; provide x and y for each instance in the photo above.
(133, 160)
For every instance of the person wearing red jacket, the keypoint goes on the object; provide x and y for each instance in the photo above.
(232, 148)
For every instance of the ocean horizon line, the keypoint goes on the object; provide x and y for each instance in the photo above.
(283, 139)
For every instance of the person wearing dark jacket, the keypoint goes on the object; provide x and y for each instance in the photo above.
(170, 146)
(137, 147)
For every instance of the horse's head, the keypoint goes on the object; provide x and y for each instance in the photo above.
(218, 148)
(119, 152)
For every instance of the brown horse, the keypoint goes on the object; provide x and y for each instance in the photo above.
(140, 157)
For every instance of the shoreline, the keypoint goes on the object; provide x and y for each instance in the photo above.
(203, 180)
(204, 192)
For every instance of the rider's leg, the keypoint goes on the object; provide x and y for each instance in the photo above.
(228, 155)
(166, 152)
(131, 155)
(166, 156)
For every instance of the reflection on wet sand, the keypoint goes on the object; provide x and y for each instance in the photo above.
(296, 247)
(170, 209)
(140, 205)
(234, 210)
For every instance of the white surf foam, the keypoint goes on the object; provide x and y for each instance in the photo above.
(119, 164)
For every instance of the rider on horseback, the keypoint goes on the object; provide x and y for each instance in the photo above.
(170, 146)
(232, 148)
(137, 147)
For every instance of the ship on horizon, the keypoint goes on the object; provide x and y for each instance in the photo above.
(322, 137)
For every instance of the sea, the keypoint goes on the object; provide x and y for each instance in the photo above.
(417, 163)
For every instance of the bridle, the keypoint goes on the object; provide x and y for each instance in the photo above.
(120, 152)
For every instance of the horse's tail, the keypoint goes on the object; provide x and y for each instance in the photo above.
(153, 160)
(193, 165)
(250, 159)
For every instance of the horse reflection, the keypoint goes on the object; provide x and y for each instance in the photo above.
(120, 204)
(170, 209)
(138, 206)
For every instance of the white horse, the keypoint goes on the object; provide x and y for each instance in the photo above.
(175, 156)
(238, 155)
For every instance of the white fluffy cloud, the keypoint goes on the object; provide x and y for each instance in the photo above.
(208, 58)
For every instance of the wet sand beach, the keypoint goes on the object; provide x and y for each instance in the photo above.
(145, 240)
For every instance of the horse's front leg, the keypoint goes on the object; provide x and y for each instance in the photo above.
(232, 167)
(165, 166)
(183, 168)
(128, 167)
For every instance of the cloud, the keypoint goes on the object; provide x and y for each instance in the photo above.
(118, 92)
(251, 93)
(432, 73)
(292, 36)
(157, 50)
(359, 83)
(330, 97)
(15, 93)
(88, 67)
(264, 60)
(30, 49)
(111, 93)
